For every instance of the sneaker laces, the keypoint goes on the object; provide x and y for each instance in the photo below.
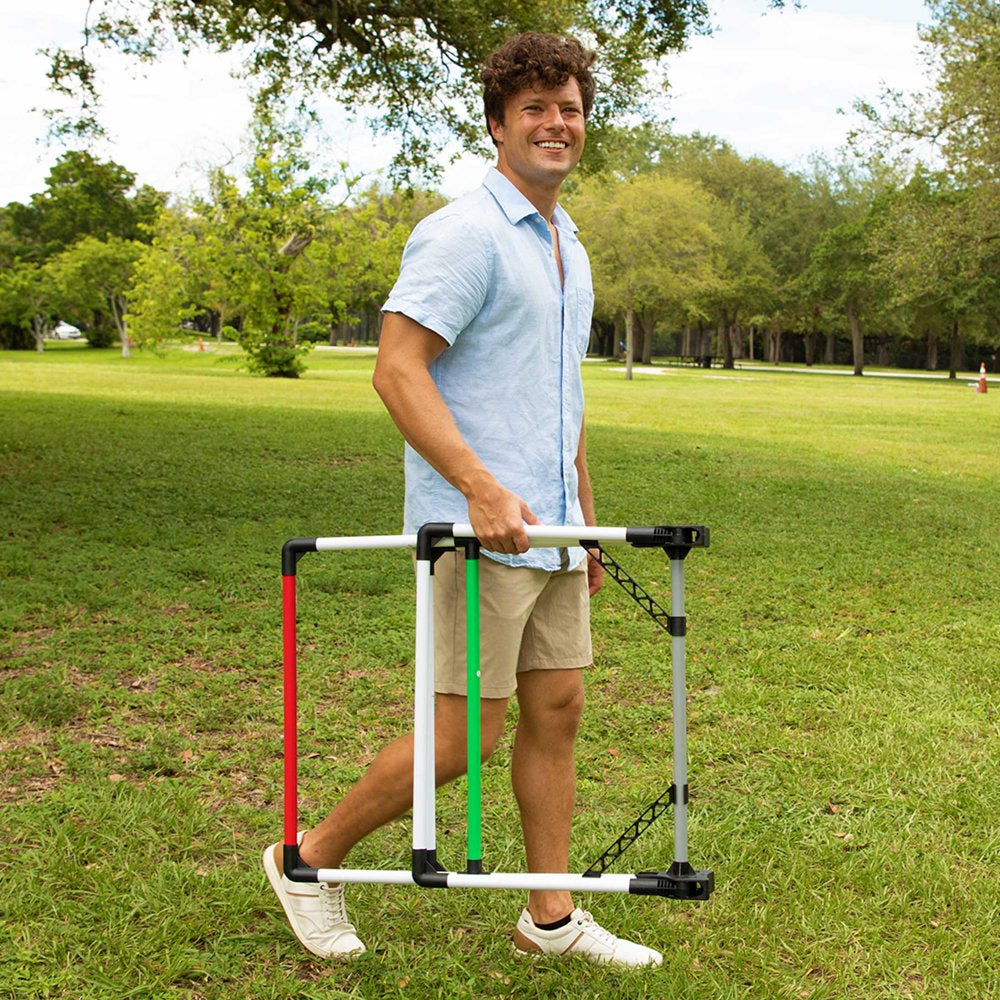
(332, 898)
(596, 930)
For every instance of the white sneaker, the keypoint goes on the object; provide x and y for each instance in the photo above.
(581, 936)
(315, 910)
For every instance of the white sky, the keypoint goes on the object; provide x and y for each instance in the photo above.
(770, 83)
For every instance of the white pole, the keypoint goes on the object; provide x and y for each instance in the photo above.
(423, 712)
(679, 712)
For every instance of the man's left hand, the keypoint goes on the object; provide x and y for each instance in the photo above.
(595, 575)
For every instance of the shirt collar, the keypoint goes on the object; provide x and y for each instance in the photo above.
(516, 207)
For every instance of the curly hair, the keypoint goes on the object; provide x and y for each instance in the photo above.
(534, 59)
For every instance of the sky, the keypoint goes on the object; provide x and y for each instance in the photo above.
(772, 83)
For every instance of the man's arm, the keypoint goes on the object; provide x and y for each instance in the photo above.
(595, 571)
(402, 380)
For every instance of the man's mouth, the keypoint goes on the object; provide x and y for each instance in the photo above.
(552, 144)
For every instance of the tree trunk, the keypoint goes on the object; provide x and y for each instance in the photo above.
(774, 346)
(830, 351)
(932, 351)
(809, 341)
(647, 324)
(38, 325)
(629, 337)
(857, 338)
(954, 351)
(736, 338)
(117, 307)
(726, 341)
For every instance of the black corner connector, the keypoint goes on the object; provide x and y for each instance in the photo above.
(669, 536)
(291, 865)
(428, 535)
(680, 881)
(426, 870)
(292, 551)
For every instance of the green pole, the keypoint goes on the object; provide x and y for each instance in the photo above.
(473, 735)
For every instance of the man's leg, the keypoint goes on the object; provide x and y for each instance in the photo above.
(543, 772)
(316, 910)
(385, 791)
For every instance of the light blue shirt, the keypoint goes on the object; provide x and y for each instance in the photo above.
(482, 274)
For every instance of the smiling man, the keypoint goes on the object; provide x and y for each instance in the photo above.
(479, 367)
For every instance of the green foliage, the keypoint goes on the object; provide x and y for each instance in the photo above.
(276, 265)
(921, 245)
(27, 302)
(92, 278)
(83, 197)
(653, 248)
(944, 249)
(417, 65)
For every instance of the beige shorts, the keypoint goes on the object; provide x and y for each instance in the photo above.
(529, 619)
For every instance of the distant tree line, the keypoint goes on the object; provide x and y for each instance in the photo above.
(697, 251)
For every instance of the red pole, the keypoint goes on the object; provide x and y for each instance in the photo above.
(290, 700)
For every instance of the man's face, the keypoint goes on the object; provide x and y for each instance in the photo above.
(542, 135)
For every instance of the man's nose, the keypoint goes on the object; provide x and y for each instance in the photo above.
(554, 119)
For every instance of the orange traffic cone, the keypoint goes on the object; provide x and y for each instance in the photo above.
(981, 385)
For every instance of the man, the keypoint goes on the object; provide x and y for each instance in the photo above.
(479, 367)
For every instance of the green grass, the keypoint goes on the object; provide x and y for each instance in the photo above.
(844, 682)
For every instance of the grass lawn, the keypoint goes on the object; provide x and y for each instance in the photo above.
(844, 683)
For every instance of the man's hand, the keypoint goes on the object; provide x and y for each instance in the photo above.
(595, 575)
(498, 517)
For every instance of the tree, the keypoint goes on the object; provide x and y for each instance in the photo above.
(416, 63)
(83, 196)
(919, 239)
(653, 251)
(93, 277)
(165, 287)
(27, 302)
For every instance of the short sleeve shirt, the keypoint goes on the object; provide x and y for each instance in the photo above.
(482, 274)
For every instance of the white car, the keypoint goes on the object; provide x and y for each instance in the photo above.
(66, 331)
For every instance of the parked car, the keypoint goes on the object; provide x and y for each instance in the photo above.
(66, 331)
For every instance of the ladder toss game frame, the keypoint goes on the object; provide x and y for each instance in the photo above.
(679, 881)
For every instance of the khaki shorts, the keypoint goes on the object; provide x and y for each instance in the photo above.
(529, 619)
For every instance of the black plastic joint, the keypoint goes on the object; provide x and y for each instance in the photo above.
(474, 866)
(673, 794)
(680, 881)
(427, 535)
(471, 548)
(292, 551)
(677, 625)
(426, 871)
(292, 866)
(685, 791)
(669, 536)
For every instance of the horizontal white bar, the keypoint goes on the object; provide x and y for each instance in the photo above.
(368, 875)
(491, 880)
(366, 542)
(542, 880)
(540, 536)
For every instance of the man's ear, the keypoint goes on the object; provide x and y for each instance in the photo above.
(496, 129)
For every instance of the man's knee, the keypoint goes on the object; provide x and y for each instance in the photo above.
(551, 701)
